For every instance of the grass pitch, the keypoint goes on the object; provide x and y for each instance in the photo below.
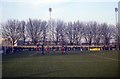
(72, 64)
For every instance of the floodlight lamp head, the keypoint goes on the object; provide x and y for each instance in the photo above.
(50, 9)
(116, 9)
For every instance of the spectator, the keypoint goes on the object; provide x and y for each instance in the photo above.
(48, 49)
(37, 49)
(62, 49)
(42, 49)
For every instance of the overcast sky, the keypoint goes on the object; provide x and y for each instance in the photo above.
(67, 10)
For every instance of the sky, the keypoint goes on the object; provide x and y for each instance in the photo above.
(67, 10)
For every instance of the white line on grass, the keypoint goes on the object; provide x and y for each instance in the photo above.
(106, 57)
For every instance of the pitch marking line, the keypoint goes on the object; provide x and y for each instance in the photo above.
(106, 57)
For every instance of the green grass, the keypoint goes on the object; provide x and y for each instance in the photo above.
(72, 64)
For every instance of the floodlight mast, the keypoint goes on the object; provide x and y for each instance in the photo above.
(116, 15)
(50, 10)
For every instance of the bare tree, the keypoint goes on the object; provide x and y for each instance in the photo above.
(34, 30)
(44, 27)
(77, 32)
(74, 32)
(60, 32)
(96, 33)
(69, 32)
(57, 31)
(107, 32)
(88, 33)
(12, 30)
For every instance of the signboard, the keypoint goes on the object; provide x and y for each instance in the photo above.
(95, 49)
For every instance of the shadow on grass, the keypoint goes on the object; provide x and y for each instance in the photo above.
(33, 53)
(52, 53)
